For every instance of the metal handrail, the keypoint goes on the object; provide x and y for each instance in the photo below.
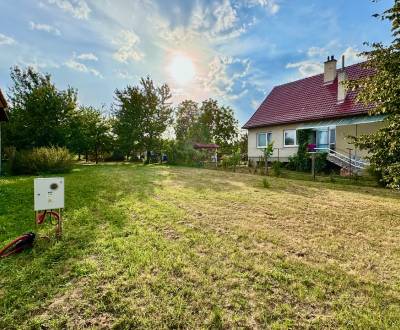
(353, 162)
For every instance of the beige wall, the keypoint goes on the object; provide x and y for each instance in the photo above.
(277, 138)
(343, 133)
(342, 140)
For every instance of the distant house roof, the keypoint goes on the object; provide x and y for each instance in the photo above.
(205, 146)
(3, 106)
(308, 99)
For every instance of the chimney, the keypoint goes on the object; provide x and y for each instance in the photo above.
(342, 77)
(329, 70)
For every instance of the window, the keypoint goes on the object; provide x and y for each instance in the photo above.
(263, 139)
(332, 135)
(289, 138)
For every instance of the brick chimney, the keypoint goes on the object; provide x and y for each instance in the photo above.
(330, 70)
(342, 77)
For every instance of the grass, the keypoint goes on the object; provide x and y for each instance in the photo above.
(170, 247)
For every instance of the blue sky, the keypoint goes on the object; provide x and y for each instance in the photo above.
(237, 50)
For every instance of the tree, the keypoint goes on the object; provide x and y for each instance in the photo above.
(382, 90)
(39, 112)
(142, 115)
(187, 115)
(90, 133)
(217, 125)
(129, 114)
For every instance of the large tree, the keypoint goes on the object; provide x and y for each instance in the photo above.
(187, 115)
(382, 90)
(142, 115)
(39, 112)
(90, 133)
(217, 124)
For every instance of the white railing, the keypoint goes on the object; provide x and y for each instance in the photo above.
(356, 163)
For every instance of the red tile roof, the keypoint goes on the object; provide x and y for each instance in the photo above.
(308, 99)
(205, 146)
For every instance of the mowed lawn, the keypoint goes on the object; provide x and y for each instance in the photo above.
(169, 247)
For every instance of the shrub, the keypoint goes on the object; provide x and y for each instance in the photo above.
(277, 168)
(182, 154)
(321, 163)
(265, 183)
(40, 160)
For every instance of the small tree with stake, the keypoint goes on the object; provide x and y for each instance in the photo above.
(267, 154)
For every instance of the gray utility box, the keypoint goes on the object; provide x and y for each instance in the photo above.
(49, 193)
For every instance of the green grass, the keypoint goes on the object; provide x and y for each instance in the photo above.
(169, 247)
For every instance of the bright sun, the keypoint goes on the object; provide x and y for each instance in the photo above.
(182, 69)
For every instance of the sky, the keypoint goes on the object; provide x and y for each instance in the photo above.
(232, 50)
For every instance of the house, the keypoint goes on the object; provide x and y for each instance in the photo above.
(322, 105)
(3, 117)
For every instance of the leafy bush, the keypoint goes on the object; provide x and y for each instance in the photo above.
(277, 168)
(232, 160)
(321, 163)
(40, 160)
(182, 154)
(299, 163)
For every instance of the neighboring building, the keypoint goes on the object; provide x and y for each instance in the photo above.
(3, 117)
(319, 103)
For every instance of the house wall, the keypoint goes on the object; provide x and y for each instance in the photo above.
(343, 132)
(342, 140)
(277, 138)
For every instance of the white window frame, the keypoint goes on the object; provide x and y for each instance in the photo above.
(266, 139)
(295, 138)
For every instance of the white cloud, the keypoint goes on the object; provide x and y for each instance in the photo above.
(270, 5)
(5, 40)
(226, 17)
(87, 57)
(317, 51)
(45, 27)
(80, 67)
(227, 76)
(307, 68)
(128, 49)
(77, 8)
(352, 56)
(39, 64)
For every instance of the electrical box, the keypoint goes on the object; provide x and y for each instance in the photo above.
(49, 193)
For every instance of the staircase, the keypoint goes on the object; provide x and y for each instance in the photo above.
(355, 166)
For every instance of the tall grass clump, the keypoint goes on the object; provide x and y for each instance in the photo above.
(40, 160)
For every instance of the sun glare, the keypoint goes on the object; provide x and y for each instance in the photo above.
(182, 69)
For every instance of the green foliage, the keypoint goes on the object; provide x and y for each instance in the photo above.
(40, 160)
(301, 161)
(90, 134)
(265, 183)
(142, 114)
(187, 115)
(208, 123)
(39, 113)
(232, 160)
(383, 91)
(277, 168)
(182, 154)
(321, 162)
